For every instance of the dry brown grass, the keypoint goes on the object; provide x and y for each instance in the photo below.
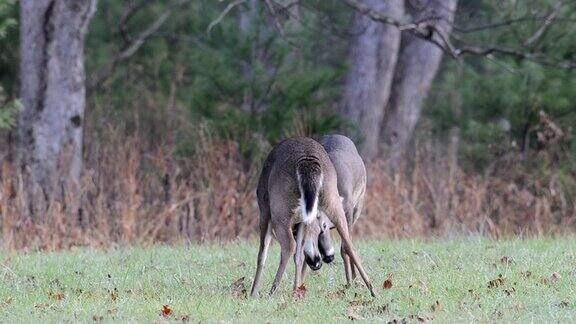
(128, 197)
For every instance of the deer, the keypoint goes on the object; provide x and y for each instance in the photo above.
(351, 180)
(297, 181)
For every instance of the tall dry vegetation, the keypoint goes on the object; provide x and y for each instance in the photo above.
(130, 197)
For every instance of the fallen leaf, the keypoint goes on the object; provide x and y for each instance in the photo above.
(388, 282)
(436, 307)
(166, 311)
(383, 309)
(114, 294)
(555, 277)
(300, 292)
(57, 296)
(495, 283)
(506, 260)
(97, 318)
(239, 288)
(564, 304)
(184, 318)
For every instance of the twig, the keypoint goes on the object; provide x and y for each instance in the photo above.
(547, 22)
(133, 45)
(425, 30)
(223, 14)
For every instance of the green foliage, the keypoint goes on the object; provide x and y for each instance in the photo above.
(8, 110)
(7, 21)
(496, 101)
(8, 107)
(259, 84)
(236, 82)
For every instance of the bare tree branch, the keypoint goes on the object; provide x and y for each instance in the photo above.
(426, 30)
(274, 15)
(547, 22)
(133, 45)
(223, 14)
(507, 23)
(128, 13)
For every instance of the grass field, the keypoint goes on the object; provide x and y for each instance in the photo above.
(455, 280)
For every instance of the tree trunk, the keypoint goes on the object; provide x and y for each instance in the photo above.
(416, 68)
(52, 34)
(372, 57)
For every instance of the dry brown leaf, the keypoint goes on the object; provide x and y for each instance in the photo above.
(57, 296)
(554, 277)
(239, 288)
(166, 311)
(506, 260)
(300, 292)
(495, 283)
(388, 282)
(114, 294)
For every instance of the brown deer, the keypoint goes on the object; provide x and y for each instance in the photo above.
(297, 181)
(351, 174)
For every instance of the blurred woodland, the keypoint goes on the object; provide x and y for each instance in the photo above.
(141, 121)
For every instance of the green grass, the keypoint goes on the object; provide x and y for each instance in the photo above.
(132, 284)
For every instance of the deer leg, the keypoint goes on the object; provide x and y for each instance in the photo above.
(265, 238)
(348, 268)
(352, 221)
(299, 256)
(352, 266)
(287, 247)
(339, 220)
(304, 271)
